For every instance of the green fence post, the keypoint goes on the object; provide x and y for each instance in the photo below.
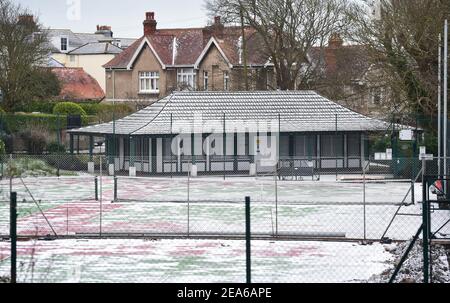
(13, 234)
(425, 204)
(248, 239)
(71, 144)
(96, 188)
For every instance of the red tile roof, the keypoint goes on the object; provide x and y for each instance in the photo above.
(347, 62)
(77, 85)
(190, 44)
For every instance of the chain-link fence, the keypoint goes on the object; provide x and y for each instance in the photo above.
(182, 220)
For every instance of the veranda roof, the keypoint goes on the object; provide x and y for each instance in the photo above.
(293, 111)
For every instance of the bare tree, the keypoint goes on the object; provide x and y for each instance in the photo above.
(402, 41)
(289, 29)
(23, 49)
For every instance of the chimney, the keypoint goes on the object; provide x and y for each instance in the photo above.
(104, 30)
(214, 30)
(149, 24)
(27, 20)
(335, 41)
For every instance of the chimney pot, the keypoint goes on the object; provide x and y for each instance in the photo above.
(26, 19)
(104, 30)
(335, 41)
(149, 24)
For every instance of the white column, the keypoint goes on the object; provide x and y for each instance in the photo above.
(207, 147)
(159, 155)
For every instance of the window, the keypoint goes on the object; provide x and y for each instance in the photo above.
(72, 58)
(187, 78)
(332, 146)
(149, 82)
(284, 145)
(167, 147)
(226, 81)
(138, 147)
(376, 95)
(64, 44)
(305, 146)
(205, 80)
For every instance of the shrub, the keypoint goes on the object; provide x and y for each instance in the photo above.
(7, 140)
(27, 167)
(380, 143)
(105, 111)
(16, 122)
(34, 138)
(35, 142)
(2, 147)
(13, 123)
(39, 106)
(56, 148)
(69, 108)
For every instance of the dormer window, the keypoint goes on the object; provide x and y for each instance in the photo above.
(64, 44)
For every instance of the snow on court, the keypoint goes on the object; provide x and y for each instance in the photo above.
(193, 261)
(158, 205)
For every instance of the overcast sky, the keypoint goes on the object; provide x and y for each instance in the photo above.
(125, 16)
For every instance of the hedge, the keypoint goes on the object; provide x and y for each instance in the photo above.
(91, 108)
(68, 108)
(15, 122)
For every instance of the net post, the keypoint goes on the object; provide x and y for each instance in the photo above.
(96, 188)
(115, 189)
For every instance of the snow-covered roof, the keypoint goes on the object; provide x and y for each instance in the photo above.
(297, 111)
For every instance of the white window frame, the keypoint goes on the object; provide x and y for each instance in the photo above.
(377, 92)
(187, 76)
(72, 58)
(205, 80)
(148, 82)
(226, 81)
(61, 43)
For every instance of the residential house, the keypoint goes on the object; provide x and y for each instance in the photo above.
(86, 50)
(166, 60)
(346, 75)
(77, 85)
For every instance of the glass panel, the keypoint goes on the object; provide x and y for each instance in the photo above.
(300, 146)
(284, 146)
(354, 145)
(332, 146)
